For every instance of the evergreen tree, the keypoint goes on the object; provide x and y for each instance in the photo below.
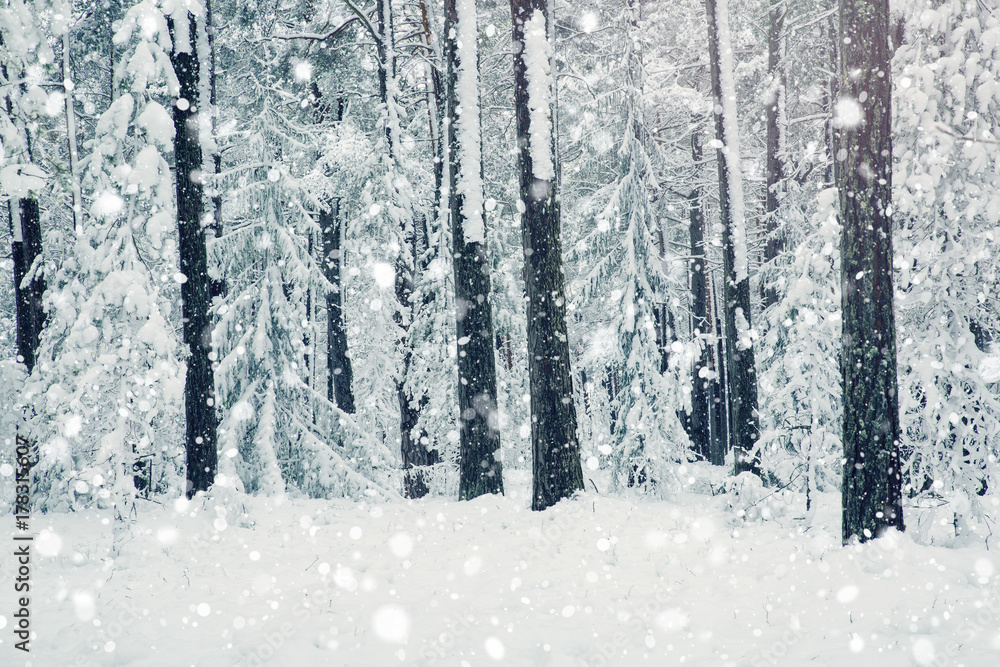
(108, 382)
(741, 373)
(946, 248)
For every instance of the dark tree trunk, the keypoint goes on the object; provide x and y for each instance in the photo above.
(556, 468)
(741, 373)
(218, 284)
(872, 495)
(196, 296)
(718, 401)
(339, 373)
(775, 241)
(479, 437)
(26, 249)
(699, 428)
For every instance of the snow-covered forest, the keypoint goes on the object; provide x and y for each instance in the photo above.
(540, 332)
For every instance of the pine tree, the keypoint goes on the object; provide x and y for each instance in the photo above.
(872, 494)
(196, 291)
(628, 285)
(480, 464)
(108, 382)
(741, 373)
(557, 471)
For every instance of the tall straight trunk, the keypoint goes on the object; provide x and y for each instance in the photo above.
(26, 250)
(413, 449)
(199, 389)
(741, 373)
(872, 494)
(339, 373)
(833, 86)
(719, 399)
(775, 243)
(215, 154)
(556, 468)
(435, 104)
(479, 437)
(74, 162)
(699, 426)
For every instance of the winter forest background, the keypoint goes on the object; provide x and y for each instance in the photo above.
(389, 250)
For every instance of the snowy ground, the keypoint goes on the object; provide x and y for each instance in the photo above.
(594, 581)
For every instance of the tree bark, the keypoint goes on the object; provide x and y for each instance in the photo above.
(479, 436)
(199, 389)
(741, 372)
(26, 249)
(339, 373)
(775, 243)
(699, 427)
(556, 468)
(872, 495)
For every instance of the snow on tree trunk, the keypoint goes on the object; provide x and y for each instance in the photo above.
(199, 389)
(702, 377)
(741, 373)
(774, 103)
(413, 442)
(479, 435)
(556, 468)
(872, 496)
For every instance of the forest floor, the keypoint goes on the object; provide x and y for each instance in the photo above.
(593, 581)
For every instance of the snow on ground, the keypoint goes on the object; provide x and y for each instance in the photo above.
(594, 581)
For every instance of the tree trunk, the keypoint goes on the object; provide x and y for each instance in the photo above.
(744, 427)
(872, 496)
(479, 437)
(719, 400)
(556, 468)
(412, 443)
(699, 430)
(26, 249)
(775, 101)
(196, 297)
(339, 373)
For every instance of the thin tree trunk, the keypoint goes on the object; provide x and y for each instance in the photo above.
(720, 388)
(872, 494)
(699, 430)
(775, 243)
(339, 372)
(479, 437)
(556, 468)
(741, 372)
(214, 164)
(74, 162)
(196, 297)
